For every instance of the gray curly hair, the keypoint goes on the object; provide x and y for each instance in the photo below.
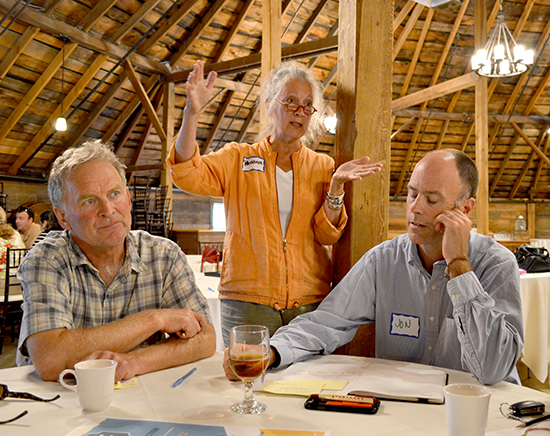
(74, 157)
(274, 87)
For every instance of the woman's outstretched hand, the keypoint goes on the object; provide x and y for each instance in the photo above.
(355, 170)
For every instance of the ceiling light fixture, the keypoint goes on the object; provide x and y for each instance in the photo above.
(61, 123)
(330, 122)
(502, 57)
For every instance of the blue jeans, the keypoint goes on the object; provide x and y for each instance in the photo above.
(235, 313)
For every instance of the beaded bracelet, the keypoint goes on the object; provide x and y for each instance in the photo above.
(335, 202)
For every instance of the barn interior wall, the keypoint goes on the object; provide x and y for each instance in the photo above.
(191, 212)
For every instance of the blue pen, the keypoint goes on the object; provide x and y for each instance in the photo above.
(179, 381)
(210, 289)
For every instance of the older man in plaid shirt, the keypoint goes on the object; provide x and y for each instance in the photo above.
(101, 291)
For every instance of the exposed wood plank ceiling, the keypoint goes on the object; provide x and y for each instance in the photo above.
(118, 53)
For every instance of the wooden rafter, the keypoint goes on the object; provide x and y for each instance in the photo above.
(407, 162)
(435, 91)
(47, 127)
(531, 144)
(227, 41)
(526, 166)
(144, 98)
(407, 30)
(80, 37)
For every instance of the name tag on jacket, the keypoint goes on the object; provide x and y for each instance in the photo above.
(253, 163)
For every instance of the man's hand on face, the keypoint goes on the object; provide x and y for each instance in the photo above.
(455, 227)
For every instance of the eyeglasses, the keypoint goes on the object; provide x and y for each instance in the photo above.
(6, 393)
(295, 107)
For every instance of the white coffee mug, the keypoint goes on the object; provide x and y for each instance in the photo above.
(95, 383)
(466, 407)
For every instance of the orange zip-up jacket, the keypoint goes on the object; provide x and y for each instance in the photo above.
(259, 266)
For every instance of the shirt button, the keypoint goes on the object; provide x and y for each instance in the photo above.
(431, 318)
(433, 287)
(453, 296)
(430, 348)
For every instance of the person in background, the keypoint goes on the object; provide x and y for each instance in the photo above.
(24, 221)
(283, 201)
(441, 294)
(101, 291)
(48, 223)
(9, 237)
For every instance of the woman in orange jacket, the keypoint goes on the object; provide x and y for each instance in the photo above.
(283, 201)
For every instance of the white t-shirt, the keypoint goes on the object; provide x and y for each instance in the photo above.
(285, 185)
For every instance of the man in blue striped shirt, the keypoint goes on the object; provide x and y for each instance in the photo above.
(440, 295)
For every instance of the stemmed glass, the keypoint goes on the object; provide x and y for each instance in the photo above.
(248, 358)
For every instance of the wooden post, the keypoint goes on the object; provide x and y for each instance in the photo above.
(271, 43)
(364, 110)
(481, 127)
(168, 108)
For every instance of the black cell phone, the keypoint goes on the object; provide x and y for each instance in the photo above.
(527, 408)
(343, 403)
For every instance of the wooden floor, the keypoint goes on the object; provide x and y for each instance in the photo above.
(7, 360)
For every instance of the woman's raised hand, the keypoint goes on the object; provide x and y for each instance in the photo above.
(199, 89)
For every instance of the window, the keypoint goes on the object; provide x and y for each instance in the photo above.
(218, 217)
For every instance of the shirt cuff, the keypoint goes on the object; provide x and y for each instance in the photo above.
(464, 288)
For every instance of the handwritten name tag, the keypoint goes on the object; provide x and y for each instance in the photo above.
(253, 163)
(405, 325)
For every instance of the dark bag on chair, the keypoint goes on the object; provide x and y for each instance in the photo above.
(533, 259)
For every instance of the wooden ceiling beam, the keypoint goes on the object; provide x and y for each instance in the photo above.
(502, 168)
(22, 43)
(96, 111)
(535, 120)
(233, 31)
(35, 90)
(48, 126)
(525, 169)
(448, 45)
(418, 49)
(398, 45)
(130, 108)
(197, 30)
(217, 122)
(167, 26)
(407, 162)
(144, 98)
(133, 20)
(97, 45)
(435, 91)
(402, 14)
(129, 128)
(540, 165)
(252, 62)
(310, 22)
(530, 144)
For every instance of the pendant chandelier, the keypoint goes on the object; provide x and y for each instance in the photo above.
(502, 57)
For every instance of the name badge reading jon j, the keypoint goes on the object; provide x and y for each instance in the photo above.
(253, 163)
(405, 325)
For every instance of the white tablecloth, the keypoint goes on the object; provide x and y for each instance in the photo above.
(535, 292)
(209, 287)
(206, 396)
